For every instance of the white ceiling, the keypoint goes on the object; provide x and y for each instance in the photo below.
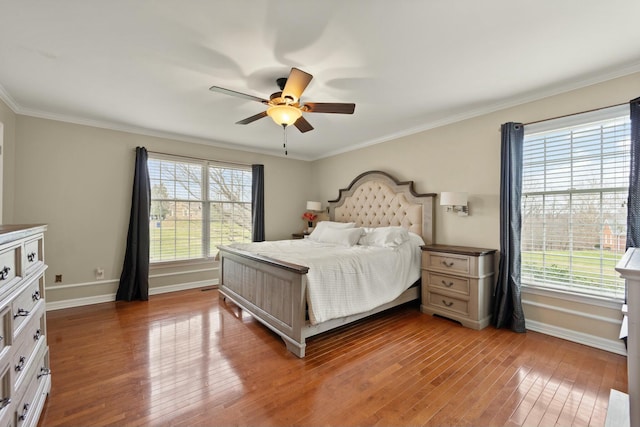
(146, 66)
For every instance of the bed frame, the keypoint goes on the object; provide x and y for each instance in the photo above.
(274, 292)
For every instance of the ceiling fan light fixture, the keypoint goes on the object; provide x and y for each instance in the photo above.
(284, 114)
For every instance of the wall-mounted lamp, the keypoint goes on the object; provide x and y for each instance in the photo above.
(455, 202)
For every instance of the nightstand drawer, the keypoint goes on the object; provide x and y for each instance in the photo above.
(448, 283)
(449, 262)
(448, 303)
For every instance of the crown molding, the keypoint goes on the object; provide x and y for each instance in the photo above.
(497, 106)
(454, 118)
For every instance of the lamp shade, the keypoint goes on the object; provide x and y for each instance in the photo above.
(448, 198)
(314, 206)
(284, 114)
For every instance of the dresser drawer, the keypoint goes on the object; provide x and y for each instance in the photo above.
(29, 405)
(6, 332)
(26, 363)
(5, 395)
(457, 264)
(33, 254)
(9, 264)
(26, 302)
(27, 343)
(448, 303)
(25, 408)
(448, 283)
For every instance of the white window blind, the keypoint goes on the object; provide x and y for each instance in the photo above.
(574, 193)
(195, 206)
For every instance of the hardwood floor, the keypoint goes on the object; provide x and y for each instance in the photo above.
(187, 359)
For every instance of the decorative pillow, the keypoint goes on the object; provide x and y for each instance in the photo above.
(325, 225)
(388, 237)
(341, 236)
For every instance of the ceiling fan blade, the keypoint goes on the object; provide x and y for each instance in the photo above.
(303, 125)
(296, 84)
(237, 94)
(252, 118)
(329, 107)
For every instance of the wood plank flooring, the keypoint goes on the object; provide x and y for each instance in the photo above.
(188, 359)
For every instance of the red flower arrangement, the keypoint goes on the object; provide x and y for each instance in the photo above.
(309, 217)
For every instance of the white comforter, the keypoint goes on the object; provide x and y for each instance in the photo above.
(346, 280)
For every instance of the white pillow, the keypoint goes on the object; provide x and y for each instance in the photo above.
(325, 225)
(341, 236)
(387, 237)
(416, 239)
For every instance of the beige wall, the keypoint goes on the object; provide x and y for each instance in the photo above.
(78, 179)
(8, 120)
(465, 156)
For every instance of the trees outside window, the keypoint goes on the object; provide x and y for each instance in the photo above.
(575, 186)
(195, 206)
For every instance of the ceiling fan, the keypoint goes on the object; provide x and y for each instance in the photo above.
(284, 107)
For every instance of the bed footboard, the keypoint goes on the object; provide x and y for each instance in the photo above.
(274, 292)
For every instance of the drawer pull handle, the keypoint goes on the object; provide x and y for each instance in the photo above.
(448, 285)
(21, 312)
(36, 295)
(37, 335)
(20, 365)
(25, 409)
(447, 264)
(31, 257)
(4, 402)
(4, 273)
(448, 304)
(44, 371)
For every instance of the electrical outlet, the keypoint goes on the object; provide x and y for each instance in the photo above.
(58, 278)
(99, 273)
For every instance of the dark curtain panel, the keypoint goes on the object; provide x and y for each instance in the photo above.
(257, 203)
(507, 310)
(633, 201)
(134, 280)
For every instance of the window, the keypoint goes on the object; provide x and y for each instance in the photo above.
(195, 206)
(574, 192)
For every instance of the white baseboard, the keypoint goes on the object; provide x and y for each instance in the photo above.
(77, 302)
(613, 346)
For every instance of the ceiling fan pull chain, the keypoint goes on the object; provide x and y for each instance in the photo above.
(284, 132)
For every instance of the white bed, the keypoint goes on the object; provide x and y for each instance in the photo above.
(274, 280)
(348, 277)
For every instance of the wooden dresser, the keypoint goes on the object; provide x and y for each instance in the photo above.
(457, 283)
(624, 409)
(24, 355)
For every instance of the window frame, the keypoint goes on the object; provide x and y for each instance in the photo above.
(205, 202)
(582, 119)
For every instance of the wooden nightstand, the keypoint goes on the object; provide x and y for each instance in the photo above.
(457, 283)
(299, 235)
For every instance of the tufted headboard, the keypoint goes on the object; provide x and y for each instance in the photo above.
(376, 199)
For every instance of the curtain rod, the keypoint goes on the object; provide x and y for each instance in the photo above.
(198, 158)
(575, 114)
